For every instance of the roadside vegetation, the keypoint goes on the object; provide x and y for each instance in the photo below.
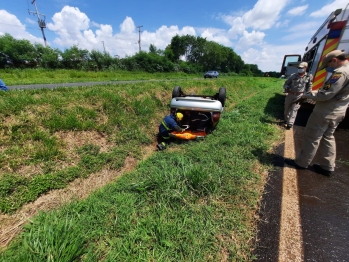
(188, 54)
(195, 201)
(43, 76)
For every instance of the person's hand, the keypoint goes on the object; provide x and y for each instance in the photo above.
(299, 100)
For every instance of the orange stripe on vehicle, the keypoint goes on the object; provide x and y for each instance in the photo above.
(331, 44)
(320, 76)
(319, 79)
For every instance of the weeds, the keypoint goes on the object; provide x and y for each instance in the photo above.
(192, 202)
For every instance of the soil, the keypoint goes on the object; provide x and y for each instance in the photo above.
(11, 225)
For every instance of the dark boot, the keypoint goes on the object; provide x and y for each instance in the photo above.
(161, 146)
(318, 169)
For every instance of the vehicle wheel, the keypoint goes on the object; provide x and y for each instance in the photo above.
(222, 95)
(176, 91)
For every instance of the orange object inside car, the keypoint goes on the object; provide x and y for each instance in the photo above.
(189, 135)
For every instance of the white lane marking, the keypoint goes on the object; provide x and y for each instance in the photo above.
(290, 240)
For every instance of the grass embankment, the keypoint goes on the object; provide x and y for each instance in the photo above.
(195, 201)
(44, 76)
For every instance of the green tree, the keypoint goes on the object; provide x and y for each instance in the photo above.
(178, 47)
(48, 57)
(21, 52)
(74, 58)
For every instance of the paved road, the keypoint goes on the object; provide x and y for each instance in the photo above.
(323, 204)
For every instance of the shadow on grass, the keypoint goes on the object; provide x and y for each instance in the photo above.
(267, 239)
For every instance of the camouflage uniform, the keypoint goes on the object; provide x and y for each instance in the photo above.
(296, 86)
(331, 104)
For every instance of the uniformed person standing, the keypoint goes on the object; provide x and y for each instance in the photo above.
(295, 86)
(331, 104)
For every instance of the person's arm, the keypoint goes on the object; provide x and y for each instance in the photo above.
(177, 128)
(309, 85)
(330, 89)
(288, 82)
(174, 125)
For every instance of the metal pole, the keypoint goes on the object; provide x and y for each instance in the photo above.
(41, 22)
(103, 46)
(139, 39)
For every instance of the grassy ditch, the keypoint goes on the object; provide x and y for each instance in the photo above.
(45, 76)
(195, 201)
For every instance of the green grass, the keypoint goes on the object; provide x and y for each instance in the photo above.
(45, 76)
(195, 201)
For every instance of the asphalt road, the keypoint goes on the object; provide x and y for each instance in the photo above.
(53, 86)
(323, 204)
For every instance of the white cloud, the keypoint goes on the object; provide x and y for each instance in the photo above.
(10, 24)
(128, 26)
(270, 57)
(238, 27)
(250, 39)
(162, 36)
(68, 24)
(297, 11)
(328, 9)
(30, 21)
(301, 30)
(76, 31)
(282, 24)
(264, 14)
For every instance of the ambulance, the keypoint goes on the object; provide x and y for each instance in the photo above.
(332, 34)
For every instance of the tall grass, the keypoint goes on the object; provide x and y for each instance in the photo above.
(193, 202)
(46, 76)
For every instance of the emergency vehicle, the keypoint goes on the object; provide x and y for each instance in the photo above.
(332, 34)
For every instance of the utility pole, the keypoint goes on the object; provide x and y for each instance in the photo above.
(103, 46)
(139, 39)
(41, 22)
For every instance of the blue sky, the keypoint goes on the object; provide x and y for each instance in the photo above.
(260, 31)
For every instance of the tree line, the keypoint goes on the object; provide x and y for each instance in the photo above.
(189, 54)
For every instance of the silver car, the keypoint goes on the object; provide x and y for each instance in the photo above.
(211, 74)
(201, 113)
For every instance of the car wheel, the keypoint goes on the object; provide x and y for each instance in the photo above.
(222, 95)
(176, 91)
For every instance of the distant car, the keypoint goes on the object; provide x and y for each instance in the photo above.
(201, 113)
(211, 74)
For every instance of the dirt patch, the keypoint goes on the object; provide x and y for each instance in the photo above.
(73, 140)
(11, 225)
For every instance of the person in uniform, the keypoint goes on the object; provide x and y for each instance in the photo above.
(331, 104)
(168, 124)
(295, 86)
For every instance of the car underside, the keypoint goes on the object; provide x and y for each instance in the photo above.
(201, 113)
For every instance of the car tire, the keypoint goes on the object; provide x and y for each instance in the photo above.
(222, 95)
(176, 91)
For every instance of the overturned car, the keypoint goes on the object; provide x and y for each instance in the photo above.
(201, 113)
